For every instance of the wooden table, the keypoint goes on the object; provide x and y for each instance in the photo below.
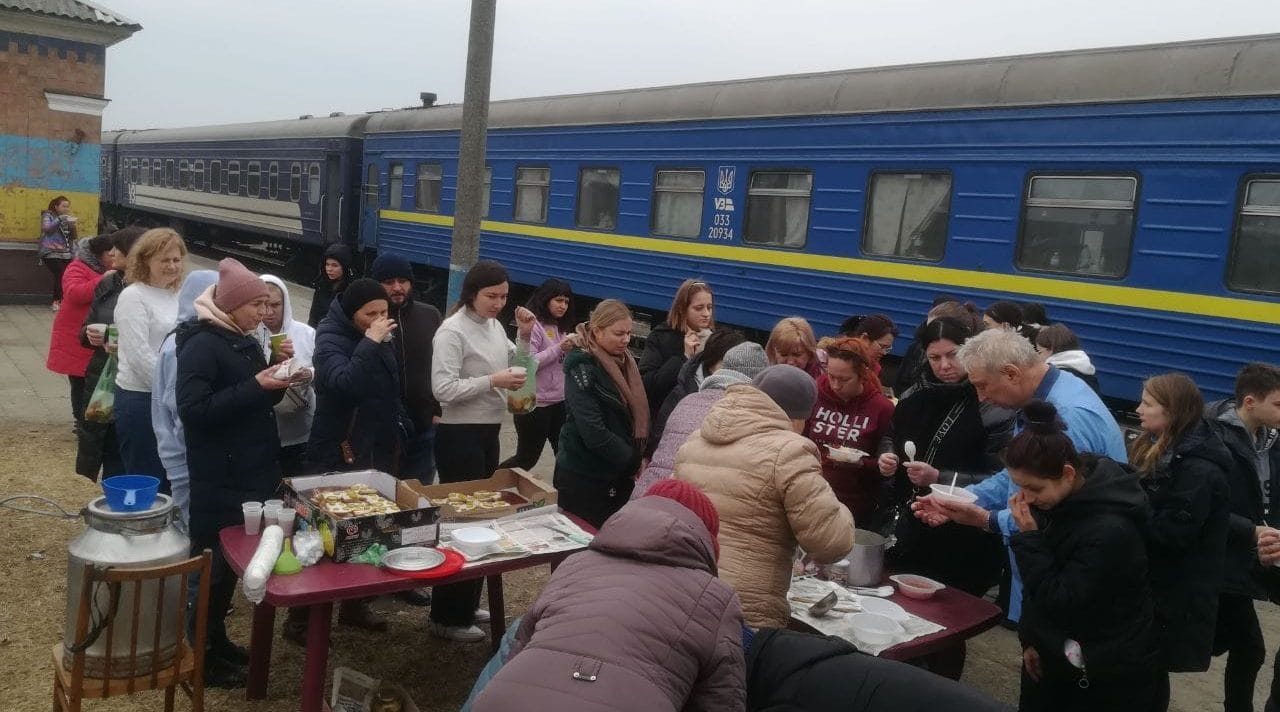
(963, 616)
(318, 587)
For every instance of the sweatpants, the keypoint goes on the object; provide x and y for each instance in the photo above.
(463, 452)
(1239, 635)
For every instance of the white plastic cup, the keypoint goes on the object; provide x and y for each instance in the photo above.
(99, 329)
(277, 502)
(252, 517)
(269, 512)
(284, 519)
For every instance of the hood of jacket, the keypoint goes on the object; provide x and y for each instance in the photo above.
(287, 322)
(744, 411)
(342, 254)
(1235, 435)
(1074, 360)
(196, 283)
(1202, 443)
(658, 530)
(209, 312)
(722, 379)
(1108, 487)
(81, 251)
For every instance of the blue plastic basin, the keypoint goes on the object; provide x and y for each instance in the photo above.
(131, 493)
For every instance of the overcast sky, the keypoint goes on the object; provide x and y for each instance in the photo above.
(222, 61)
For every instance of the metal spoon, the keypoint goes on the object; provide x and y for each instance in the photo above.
(824, 605)
(878, 591)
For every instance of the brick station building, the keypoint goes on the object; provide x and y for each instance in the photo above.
(52, 71)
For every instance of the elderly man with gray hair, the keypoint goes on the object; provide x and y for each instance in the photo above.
(1006, 371)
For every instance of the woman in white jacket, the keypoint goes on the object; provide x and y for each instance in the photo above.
(469, 372)
(296, 410)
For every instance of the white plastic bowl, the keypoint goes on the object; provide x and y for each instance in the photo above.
(475, 541)
(960, 495)
(844, 453)
(874, 629)
(916, 586)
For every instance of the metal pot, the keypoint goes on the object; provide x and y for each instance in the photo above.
(866, 561)
(127, 540)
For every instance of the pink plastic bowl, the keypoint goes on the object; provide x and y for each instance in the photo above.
(915, 586)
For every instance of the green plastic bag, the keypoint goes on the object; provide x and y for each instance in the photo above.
(102, 404)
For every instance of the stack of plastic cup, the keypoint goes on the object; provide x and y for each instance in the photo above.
(284, 518)
(269, 510)
(252, 517)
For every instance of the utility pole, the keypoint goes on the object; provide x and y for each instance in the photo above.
(475, 124)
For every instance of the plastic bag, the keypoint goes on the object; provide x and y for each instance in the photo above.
(373, 555)
(524, 399)
(102, 404)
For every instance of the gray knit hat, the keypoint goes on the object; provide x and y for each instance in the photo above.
(792, 389)
(746, 358)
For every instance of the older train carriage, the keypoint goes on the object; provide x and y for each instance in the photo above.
(1134, 191)
(290, 183)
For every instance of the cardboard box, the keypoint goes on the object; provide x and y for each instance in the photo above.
(416, 524)
(538, 493)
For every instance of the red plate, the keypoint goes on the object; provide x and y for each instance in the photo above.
(453, 562)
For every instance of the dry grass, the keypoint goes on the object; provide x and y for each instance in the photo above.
(34, 459)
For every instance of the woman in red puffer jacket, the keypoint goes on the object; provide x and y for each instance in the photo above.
(66, 355)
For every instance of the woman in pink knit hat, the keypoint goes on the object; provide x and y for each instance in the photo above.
(226, 395)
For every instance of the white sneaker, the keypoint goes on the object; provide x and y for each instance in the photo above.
(457, 633)
(482, 616)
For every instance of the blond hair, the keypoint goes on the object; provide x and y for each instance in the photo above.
(787, 334)
(152, 243)
(677, 317)
(607, 313)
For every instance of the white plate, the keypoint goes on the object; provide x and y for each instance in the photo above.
(881, 607)
(413, 558)
(845, 454)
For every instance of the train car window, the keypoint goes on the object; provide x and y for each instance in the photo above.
(295, 182)
(427, 189)
(215, 176)
(233, 178)
(677, 203)
(197, 175)
(168, 173)
(273, 180)
(1080, 225)
(313, 183)
(598, 198)
(253, 179)
(1255, 255)
(144, 177)
(133, 170)
(395, 187)
(907, 215)
(486, 191)
(184, 175)
(778, 208)
(371, 187)
(533, 188)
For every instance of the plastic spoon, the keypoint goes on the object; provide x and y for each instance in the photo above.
(910, 449)
(878, 591)
(954, 475)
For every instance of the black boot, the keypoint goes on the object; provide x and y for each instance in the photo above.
(295, 627)
(416, 596)
(220, 673)
(228, 651)
(357, 614)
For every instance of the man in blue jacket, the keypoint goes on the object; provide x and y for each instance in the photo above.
(1006, 371)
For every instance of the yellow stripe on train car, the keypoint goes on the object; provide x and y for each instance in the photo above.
(942, 277)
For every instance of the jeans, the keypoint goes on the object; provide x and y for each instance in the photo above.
(137, 438)
(533, 430)
(418, 460)
(463, 452)
(1239, 636)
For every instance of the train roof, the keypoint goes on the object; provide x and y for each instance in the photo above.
(1227, 67)
(351, 126)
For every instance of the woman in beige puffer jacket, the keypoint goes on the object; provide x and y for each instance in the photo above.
(766, 482)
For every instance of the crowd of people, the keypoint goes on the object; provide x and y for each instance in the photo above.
(712, 466)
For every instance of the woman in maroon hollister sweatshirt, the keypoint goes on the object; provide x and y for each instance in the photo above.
(852, 411)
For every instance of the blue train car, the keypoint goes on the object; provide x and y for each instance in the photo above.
(1135, 192)
(289, 183)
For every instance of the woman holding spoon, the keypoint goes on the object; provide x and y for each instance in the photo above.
(942, 433)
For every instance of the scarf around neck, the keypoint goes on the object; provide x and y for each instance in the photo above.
(625, 375)
(209, 312)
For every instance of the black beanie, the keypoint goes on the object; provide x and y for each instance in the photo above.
(361, 292)
(389, 266)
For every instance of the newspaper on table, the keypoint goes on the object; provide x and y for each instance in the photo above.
(807, 590)
(536, 532)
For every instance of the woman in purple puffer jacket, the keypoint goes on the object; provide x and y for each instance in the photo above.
(552, 337)
(639, 621)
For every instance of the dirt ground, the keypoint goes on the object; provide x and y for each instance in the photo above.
(35, 458)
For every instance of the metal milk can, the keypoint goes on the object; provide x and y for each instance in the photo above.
(127, 540)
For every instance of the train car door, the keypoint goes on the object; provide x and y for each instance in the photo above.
(334, 198)
(369, 208)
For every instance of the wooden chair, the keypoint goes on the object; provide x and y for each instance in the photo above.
(187, 668)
